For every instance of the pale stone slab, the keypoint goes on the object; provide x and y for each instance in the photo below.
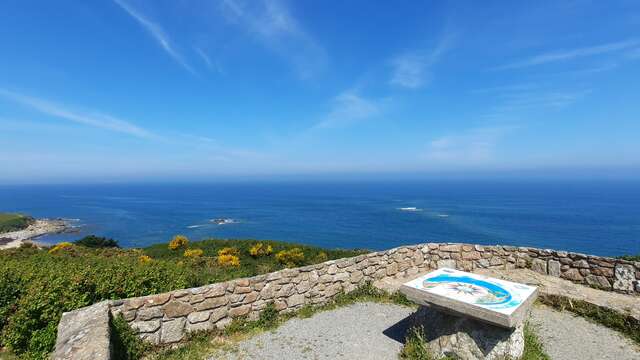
(494, 301)
(84, 334)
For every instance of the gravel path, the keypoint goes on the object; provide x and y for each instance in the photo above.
(567, 337)
(359, 331)
(376, 331)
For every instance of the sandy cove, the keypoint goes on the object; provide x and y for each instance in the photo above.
(38, 228)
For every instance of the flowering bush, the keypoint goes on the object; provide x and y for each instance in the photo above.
(37, 287)
(228, 260)
(193, 253)
(291, 258)
(260, 249)
(178, 242)
(321, 257)
(63, 246)
(229, 251)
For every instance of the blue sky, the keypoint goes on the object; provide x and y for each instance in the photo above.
(133, 89)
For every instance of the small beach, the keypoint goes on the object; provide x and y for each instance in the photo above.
(38, 228)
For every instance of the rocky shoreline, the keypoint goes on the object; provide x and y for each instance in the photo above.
(38, 228)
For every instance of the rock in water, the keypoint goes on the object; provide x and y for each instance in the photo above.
(467, 339)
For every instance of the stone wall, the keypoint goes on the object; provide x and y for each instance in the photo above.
(167, 318)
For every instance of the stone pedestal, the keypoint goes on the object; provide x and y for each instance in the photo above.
(467, 339)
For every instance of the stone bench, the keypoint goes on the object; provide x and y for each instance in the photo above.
(470, 316)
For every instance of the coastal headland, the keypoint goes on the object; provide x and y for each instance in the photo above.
(34, 230)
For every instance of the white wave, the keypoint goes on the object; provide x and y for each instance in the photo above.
(194, 226)
(443, 215)
(409, 208)
(224, 221)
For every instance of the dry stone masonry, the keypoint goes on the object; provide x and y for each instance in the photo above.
(167, 318)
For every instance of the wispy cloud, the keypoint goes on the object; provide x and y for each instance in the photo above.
(412, 69)
(212, 65)
(469, 147)
(510, 102)
(272, 23)
(539, 99)
(157, 33)
(89, 118)
(348, 108)
(566, 55)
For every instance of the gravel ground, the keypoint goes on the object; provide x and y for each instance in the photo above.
(359, 331)
(567, 337)
(376, 331)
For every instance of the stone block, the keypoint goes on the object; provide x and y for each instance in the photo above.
(539, 266)
(295, 300)
(242, 290)
(145, 314)
(598, 281)
(242, 282)
(471, 255)
(573, 275)
(198, 316)
(200, 326)
(451, 247)
(153, 338)
(211, 303)
(215, 290)
(172, 330)
(218, 314)
(451, 264)
(239, 311)
(392, 269)
(84, 334)
(146, 326)
(553, 268)
(625, 277)
(176, 309)
(581, 264)
(157, 300)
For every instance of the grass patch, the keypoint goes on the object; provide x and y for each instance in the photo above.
(533, 349)
(630, 257)
(199, 345)
(14, 222)
(126, 343)
(626, 325)
(415, 346)
(37, 285)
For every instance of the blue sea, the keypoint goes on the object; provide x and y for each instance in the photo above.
(591, 217)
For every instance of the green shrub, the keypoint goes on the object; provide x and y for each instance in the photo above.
(14, 222)
(92, 241)
(126, 343)
(37, 287)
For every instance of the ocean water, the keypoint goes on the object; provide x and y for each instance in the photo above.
(591, 217)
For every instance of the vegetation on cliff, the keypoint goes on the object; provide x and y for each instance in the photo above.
(37, 286)
(14, 222)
